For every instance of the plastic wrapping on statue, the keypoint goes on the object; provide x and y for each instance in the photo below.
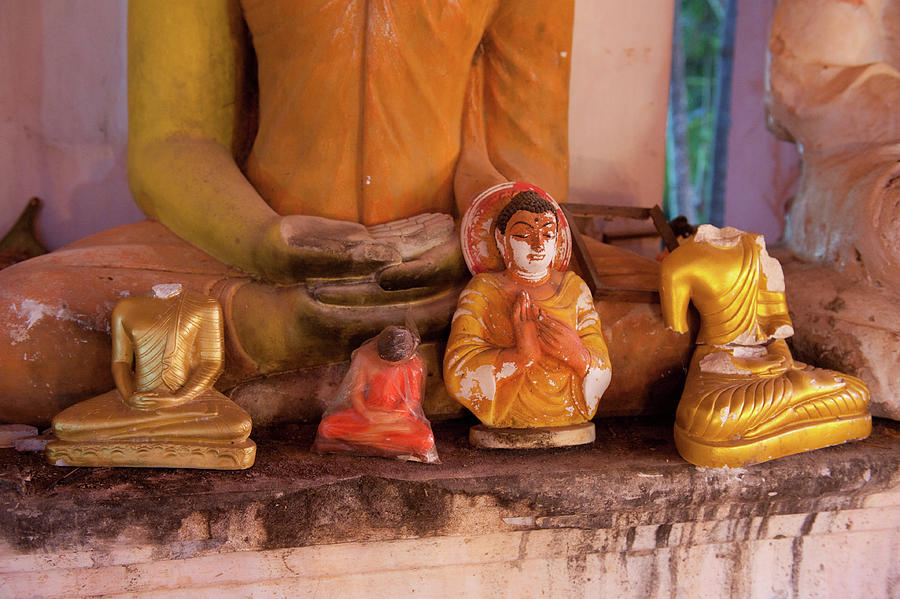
(378, 407)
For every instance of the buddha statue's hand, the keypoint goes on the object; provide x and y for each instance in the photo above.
(525, 329)
(153, 400)
(564, 343)
(430, 249)
(382, 416)
(414, 236)
(298, 246)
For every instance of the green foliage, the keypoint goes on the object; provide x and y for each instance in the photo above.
(701, 23)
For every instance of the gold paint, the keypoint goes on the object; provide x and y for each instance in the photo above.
(526, 349)
(212, 456)
(746, 400)
(164, 412)
(546, 394)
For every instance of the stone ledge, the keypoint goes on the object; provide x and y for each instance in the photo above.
(630, 476)
(789, 555)
(624, 516)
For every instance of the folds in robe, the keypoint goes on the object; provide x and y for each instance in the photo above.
(744, 390)
(549, 393)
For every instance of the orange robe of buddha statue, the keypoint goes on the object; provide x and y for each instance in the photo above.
(378, 90)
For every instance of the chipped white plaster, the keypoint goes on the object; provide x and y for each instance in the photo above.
(164, 290)
(585, 303)
(723, 414)
(720, 363)
(464, 296)
(749, 351)
(726, 237)
(532, 265)
(479, 384)
(748, 337)
(771, 267)
(31, 312)
(783, 332)
(594, 384)
(507, 370)
(461, 312)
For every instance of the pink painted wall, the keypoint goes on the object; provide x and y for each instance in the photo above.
(762, 171)
(63, 115)
(619, 95)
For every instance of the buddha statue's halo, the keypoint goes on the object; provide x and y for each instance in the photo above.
(477, 228)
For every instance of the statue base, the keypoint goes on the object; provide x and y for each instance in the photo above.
(152, 454)
(783, 443)
(487, 437)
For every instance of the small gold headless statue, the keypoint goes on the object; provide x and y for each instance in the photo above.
(746, 400)
(164, 412)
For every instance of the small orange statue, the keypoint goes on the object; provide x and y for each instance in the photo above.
(379, 407)
(526, 353)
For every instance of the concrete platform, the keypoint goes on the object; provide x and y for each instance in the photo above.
(623, 517)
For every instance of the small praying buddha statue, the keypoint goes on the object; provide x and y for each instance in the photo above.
(746, 400)
(378, 410)
(526, 353)
(167, 353)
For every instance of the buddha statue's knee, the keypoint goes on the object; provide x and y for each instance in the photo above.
(41, 336)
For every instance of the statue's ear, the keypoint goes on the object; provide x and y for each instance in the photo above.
(498, 240)
(557, 256)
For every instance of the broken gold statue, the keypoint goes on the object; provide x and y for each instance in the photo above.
(164, 412)
(526, 353)
(746, 400)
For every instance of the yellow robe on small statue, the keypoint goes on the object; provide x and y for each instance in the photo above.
(549, 393)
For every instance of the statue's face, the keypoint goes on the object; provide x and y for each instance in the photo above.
(529, 244)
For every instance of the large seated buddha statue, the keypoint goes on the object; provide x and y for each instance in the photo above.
(746, 399)
(833, 88)
(167, 353)
(301, 162)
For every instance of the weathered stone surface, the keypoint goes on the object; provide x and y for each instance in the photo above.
(623, 516)
(10, 433)
(292, 497)
(834, 554)
(649, 360)
(36, 443)
(846, 324)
